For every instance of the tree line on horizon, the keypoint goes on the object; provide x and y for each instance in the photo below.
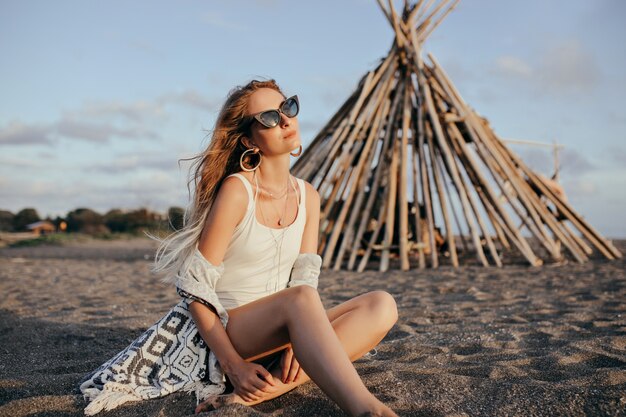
(88, 221)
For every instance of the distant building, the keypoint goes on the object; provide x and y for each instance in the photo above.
(41, 228)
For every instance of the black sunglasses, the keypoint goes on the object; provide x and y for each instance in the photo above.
(270, 118)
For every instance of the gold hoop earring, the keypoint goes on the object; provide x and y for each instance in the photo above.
(254, 150)
(297, 154)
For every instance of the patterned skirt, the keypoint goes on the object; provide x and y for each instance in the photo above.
(170, 356)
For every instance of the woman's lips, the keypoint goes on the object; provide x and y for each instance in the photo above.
(289, 135)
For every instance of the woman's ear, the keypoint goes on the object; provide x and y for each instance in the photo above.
(247, 142)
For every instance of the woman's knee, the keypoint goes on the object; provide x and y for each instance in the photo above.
(384, 308)
(303, 297)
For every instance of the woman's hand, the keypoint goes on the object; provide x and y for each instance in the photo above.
(290, 368)
(250, 380)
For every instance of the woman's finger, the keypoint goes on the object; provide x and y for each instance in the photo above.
(283, 366)
(286, 364)
(298, 373)
(247, 396)
(265, 375)
(259, 394)
(262, 387)
(293, 370)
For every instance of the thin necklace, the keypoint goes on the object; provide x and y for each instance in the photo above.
(279, 249)
(282, 193)
(282, 218)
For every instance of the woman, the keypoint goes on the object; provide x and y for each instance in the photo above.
(246, 266)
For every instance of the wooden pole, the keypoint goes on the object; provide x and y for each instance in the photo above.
(449, 162)
(426, 198)
(404, 213)
(362, 176)
(467, 114)
(444, 207)
(417, 143)
(454, 213)
(391, 205)
(332, 240)
(454, 145)
(376, 184)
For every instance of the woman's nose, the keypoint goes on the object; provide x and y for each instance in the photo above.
(284, 121)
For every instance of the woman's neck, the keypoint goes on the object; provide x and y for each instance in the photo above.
(273, 173)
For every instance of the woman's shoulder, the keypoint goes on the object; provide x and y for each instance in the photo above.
(310, 190)
(232, 192)
(230, 204)
(312, 196)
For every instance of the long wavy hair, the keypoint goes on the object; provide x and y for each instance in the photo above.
(209, 169)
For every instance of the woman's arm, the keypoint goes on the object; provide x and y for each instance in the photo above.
(306, 268)
(226, 213)
(311, 228)
(250, 380)
(214, 334)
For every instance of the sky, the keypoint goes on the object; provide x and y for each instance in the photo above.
(99, 100)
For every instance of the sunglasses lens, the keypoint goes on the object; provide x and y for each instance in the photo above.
(269, 118)
(290, 107)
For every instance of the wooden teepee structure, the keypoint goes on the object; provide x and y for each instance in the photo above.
(405, 154)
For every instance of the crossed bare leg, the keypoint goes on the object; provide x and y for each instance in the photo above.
(360, 324)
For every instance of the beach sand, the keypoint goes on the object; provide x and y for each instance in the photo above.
(513, 341)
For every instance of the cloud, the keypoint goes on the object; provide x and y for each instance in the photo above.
(123, 164)
(616, 155)
(21, 134)
(142, 110)
(218, 20)
(14, 162)
(189, 98)
(135, 112)
(561, 68)
(575, 163)
(580, 189)
(616, 118)
(572, 163)
(101, 121)
(568, 67)
(17, 133)
(459, 72)
(333, 90)
(266, 3)
(47, 155)
(145, 46)
(99, 132)
(156, 191)
(513, 67)
(538, 160)
(309, 126)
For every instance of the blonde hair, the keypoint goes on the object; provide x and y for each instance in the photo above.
(209, 169)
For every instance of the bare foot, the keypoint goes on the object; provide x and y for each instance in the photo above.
(218, 401)
(386, 412)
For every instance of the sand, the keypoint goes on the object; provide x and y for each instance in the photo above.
(516, 341)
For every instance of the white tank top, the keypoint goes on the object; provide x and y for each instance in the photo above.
(259, 259)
